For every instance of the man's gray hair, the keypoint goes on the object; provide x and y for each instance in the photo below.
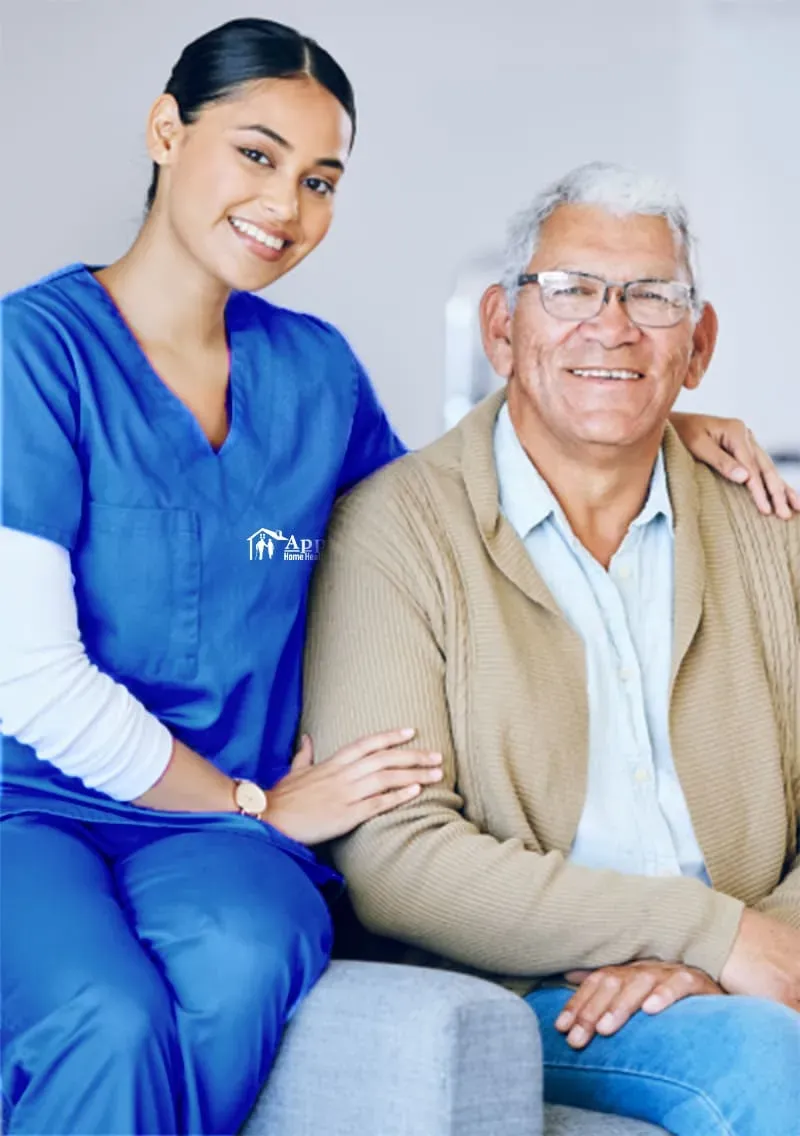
(611, 187)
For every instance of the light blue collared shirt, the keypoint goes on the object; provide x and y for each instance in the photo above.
(635, 818)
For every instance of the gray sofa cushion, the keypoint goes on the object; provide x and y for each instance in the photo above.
(560, 1121)
(382, 1050)
(385, 1050)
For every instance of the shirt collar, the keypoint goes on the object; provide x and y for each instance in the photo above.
(658, 503)
(526, 500)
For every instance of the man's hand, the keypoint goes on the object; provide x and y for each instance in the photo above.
(607, 998)
(765, 961)
(729, 447)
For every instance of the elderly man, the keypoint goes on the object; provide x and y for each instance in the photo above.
(601, 638)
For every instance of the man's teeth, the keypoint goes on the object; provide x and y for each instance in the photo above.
(257, 234)
(603, 373)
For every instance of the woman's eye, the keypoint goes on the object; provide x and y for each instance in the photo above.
(256, 156)
(321, 186)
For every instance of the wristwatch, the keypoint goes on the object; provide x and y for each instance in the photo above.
(250, 799)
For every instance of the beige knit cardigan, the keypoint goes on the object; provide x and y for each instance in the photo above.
(427, 611)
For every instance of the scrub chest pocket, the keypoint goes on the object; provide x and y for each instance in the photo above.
(138, 577)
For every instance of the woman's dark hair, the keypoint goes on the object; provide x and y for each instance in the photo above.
(242, 51)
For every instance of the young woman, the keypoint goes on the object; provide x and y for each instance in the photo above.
(173, 446)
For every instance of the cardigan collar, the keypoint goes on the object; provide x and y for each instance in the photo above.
(479, 474)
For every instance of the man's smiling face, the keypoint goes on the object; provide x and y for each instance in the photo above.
(604, 381)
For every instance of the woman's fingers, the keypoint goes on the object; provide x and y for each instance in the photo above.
(387, 780)
(304, 758)
(372, 743)
(385, 802)
(767, 488)
(724, 444)
(392, 759)
(728, 446)
(777, 491)
(730, 451)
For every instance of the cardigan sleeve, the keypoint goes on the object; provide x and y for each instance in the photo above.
(424, 873)
(784, 902)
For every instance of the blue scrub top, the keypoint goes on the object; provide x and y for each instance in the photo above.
(191, 566)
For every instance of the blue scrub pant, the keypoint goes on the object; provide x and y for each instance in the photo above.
(708, 1066)
(147, 974)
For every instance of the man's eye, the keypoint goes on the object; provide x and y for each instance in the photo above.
(571, 290)
(256, 156)
(321, 186)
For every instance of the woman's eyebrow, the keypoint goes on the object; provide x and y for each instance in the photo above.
(260, 128)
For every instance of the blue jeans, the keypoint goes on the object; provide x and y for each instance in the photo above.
(147, 975)
(707, 1066)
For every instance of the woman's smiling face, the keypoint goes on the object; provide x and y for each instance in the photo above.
(248, 187)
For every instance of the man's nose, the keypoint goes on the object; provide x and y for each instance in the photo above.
(612, 326)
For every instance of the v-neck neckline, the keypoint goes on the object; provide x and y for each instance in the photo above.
(187, 434)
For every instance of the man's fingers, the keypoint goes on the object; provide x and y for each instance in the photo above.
(680, 984)
(638, 987)
(372, 743)
(608, 998)
(569, 1011)
(604, 996)
(587, 1005)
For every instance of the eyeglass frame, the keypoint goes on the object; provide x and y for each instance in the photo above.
(535, 278)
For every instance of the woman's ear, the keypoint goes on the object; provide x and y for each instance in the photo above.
(703, 343)
(164, 130)
(496, 330)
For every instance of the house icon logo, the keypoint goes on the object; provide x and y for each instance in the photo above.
(263, 540)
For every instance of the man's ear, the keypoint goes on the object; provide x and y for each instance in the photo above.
(496, 330)
(164, 130)
(703, 342)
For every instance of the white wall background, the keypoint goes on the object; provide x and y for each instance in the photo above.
(466, 107)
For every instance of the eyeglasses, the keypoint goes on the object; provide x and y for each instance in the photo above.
(579, 296)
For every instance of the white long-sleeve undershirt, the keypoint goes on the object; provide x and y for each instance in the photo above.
(52, 697)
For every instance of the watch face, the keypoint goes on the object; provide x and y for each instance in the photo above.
(250, 798)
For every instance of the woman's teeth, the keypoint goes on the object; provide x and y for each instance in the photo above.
(257, 234)
(603, 373)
